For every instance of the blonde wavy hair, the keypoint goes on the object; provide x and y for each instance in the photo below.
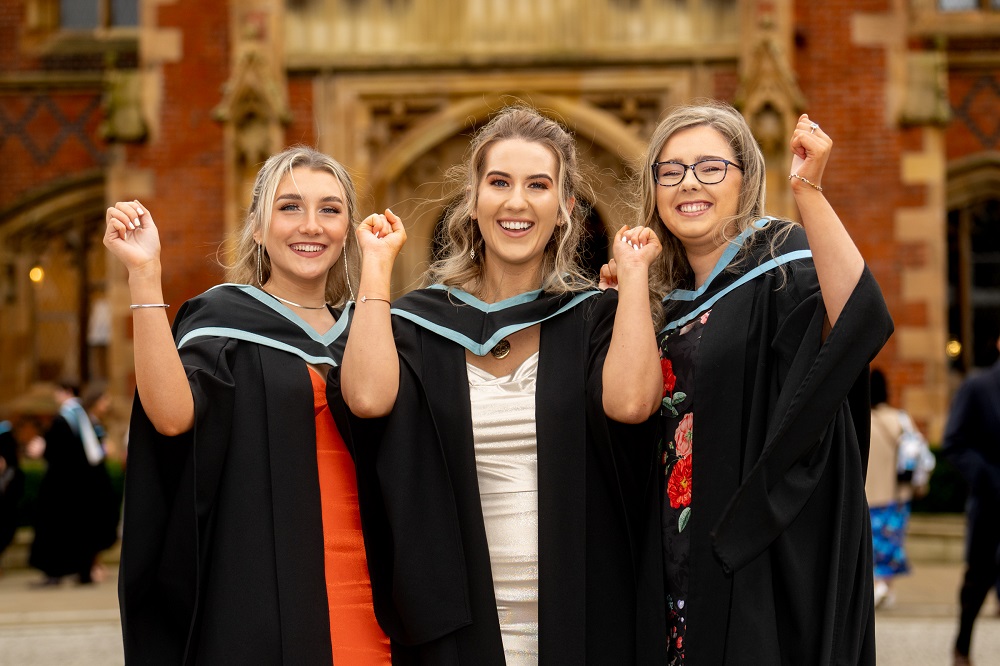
(561, 269)
(243, 269)
(671, 270)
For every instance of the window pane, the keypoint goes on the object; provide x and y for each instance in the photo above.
(78, 14)
(124, 12)
(958, 5)
(980, 270)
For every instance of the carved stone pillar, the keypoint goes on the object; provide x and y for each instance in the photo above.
(769, 95)
(254, 108)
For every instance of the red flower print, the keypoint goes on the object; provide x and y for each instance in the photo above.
(683, 435)
(669, 380)
(679, 485)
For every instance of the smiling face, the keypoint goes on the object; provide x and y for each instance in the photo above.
(517, 205)
(306, 232)
(693, 212)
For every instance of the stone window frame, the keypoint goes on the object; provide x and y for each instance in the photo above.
(44, 35)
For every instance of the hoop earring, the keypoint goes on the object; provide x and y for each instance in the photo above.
(260, 273)
(347, 274)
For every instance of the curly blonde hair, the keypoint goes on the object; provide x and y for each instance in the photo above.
(244, 269)
(561, 269)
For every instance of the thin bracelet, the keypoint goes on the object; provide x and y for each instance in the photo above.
(806, 181)
(365, 299)
(139, 306)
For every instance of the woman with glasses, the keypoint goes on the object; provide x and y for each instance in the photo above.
(765, 329)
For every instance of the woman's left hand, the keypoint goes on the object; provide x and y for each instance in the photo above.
(810, 151)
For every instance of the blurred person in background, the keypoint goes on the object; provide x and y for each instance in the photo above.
(76, 515)
(972, 444)
(889, 493)
(11, 484)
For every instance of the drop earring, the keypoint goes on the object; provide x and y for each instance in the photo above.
(260, 273)
(347, 274)
(472, 254)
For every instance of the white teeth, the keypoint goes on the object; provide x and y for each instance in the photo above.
(512, 225)
(307, 248)
(693, 207)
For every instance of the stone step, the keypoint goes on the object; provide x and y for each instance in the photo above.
(936, 538)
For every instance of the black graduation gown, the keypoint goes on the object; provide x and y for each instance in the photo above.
(419, 495)
(11, 485)
(780, 563)
(76, 516)
(222, 551)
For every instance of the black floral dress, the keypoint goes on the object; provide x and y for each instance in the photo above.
(678, 355)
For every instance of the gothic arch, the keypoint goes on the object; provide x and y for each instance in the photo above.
(57, 226)
(592, 126)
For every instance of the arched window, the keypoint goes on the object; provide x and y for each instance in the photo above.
(974, 262)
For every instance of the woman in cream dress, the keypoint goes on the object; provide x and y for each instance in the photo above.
(491, 430)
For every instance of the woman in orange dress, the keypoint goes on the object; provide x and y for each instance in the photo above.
(240, 500)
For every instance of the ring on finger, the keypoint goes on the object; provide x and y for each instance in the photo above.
(813, 127)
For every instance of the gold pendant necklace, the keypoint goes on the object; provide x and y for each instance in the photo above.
(501, 350)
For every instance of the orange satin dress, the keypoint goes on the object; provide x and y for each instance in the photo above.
(354, 633)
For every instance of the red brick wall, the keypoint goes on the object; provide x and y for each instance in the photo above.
(302, 128)
(975, 123)
(845, 88)
(186, 157)
(45, 134)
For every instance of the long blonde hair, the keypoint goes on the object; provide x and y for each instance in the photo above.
(561, 270)
(244, 269)
(671, 269)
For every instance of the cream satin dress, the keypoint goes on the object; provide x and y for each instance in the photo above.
(503, 426)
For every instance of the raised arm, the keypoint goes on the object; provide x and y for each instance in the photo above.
(838, 262)
(369, 375)
(131, 235)
(633, 384)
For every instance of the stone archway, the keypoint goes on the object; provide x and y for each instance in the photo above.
(410, 176)
(56, 229)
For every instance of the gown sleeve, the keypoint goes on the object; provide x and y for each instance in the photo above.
(406, 496)
(169, 488)
(809, 416)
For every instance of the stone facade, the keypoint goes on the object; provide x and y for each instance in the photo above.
(179, 110)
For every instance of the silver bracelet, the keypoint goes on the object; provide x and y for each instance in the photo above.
(139, 306)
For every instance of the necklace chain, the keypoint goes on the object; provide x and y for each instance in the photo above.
(288, 302)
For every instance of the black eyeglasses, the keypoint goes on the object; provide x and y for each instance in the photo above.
(708, 172)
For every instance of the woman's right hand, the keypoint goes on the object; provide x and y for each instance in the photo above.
(131, 235)
(381, 236)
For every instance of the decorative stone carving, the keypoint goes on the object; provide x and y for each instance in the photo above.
(255, 103)
(122, 104)
(925, 100)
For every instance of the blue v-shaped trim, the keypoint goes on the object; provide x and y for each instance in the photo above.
(481, 349)
(325, 339)
(727, 257)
